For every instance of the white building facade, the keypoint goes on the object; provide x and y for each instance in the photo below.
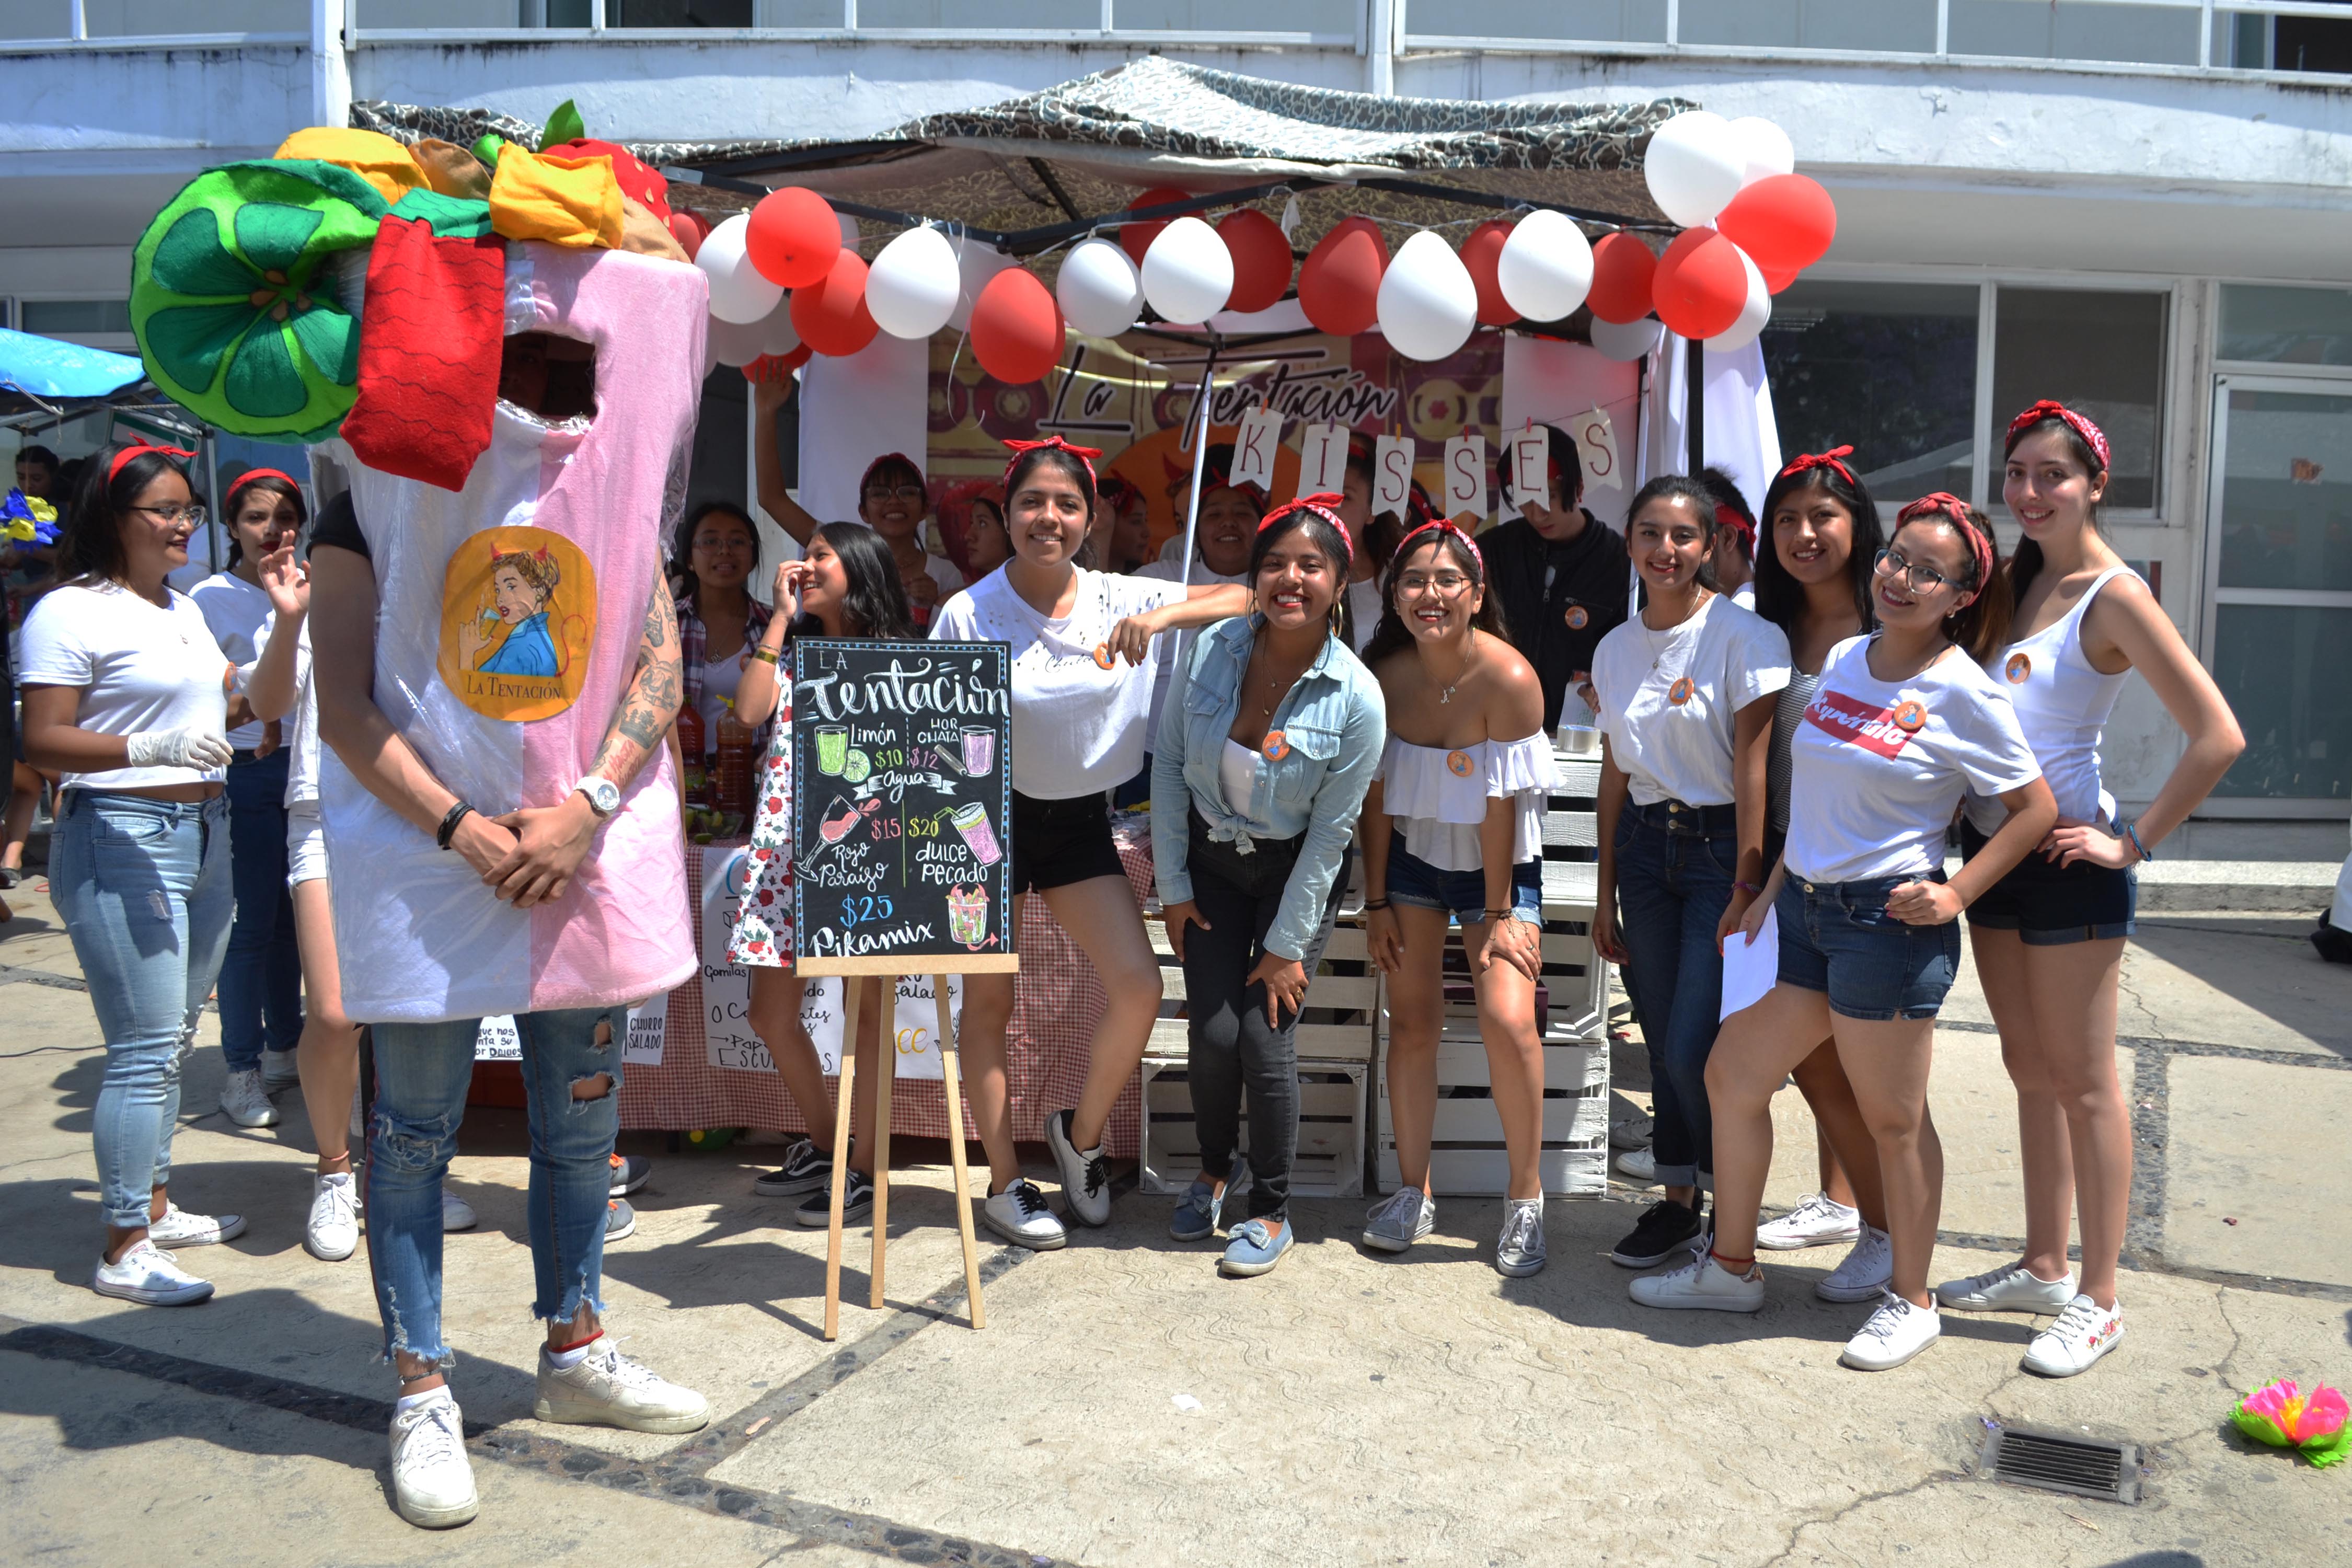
(2144, 208)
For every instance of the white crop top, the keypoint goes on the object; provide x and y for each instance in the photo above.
(2061, 702)
(1438, 796)
(1237, 772)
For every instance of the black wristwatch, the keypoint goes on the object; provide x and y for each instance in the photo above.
(448, 828)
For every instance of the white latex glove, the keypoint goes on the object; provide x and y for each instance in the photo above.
(187, 748)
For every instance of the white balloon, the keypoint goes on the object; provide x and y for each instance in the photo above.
(777, 335)
(1766, 148)
(913, 285)
(1101, 292)
(1753, 313)
(1187, 273)
(977, 264)
(733, 342)
(1694, 166)
(1545, 269)
(738, 292)
(1427, 303)
(1626, 341)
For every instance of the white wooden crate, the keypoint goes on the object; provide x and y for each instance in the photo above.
(1331, 1109)
(1467, 1157)
(1335, 1019)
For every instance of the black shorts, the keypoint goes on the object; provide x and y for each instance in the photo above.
(2051, 906)
(1058, 842)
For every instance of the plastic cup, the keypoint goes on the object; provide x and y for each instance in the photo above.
(979, 750)
(831, 748)
(972, 821)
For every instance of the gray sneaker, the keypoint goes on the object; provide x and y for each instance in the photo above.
(1519, 1251)
(243, 1101)
(1399, 1220)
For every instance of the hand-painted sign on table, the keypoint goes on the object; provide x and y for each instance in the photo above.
(901, 809)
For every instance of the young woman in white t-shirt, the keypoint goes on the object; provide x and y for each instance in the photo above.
(1903, 724)
(1453, 834)
(1686, 691)
(2049, 935)
(261, 978)
(126, 695)
(1084, 657)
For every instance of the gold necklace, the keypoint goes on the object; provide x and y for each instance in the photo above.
(1469, 659)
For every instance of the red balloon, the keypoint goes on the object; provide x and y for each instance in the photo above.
(794, 237)
(1624, 274)
(1774, 282)
(1261, 253)
(1340, 285)
(1785, 221)
(687, 232)
(775, 367)
(1701, 285)
(1016, 326)
(1135, 238)
(830, 314)
(1481, 253)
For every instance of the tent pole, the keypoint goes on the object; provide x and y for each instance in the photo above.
(1695, 420)
(1199, 458)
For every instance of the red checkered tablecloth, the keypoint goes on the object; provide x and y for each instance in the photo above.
(1057, 1003)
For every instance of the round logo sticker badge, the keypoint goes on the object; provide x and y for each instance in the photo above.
(2018, 667)
(1578, 617)
(518, 619)
(1910, 716)
(1458, 763)
(1274, 746)
(1681, 692)
(1102, 654)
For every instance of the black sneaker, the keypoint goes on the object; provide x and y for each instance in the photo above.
(2333, 944)
(817, 1209)
(1666, 1227)
(806, 1169)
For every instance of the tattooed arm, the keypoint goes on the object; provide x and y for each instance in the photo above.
(552, 841)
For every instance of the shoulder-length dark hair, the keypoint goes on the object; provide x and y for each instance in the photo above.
(90, 544)
(1325, 538)
(2026, 565)
(875, 604)
(1779, 597)
(681, 558)
(1393, 634)
(1981, 629)
(1701, 499)
(264, 484)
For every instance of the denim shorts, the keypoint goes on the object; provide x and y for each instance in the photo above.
(1837, 937)
(1413, 880)
(2051, 906)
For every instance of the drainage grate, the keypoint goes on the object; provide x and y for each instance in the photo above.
(2059, 1463)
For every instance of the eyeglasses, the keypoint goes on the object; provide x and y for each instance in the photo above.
(194, 516)
(1891, 564)
(1413, 585)
(901, 492)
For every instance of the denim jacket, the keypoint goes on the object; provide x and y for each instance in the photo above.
(1333, 723)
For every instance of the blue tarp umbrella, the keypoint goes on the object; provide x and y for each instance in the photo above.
(45, 367)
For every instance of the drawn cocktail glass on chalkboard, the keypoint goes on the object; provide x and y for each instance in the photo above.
(970, 820)
(968, 916)
(979, 750)
(831, 748)
(841, 816)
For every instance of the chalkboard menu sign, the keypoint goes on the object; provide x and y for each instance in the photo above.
(902, 807)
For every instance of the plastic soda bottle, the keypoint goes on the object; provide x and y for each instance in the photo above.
(734, 761)
(690, 754)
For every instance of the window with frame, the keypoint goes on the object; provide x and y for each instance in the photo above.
(2099, 352)
(1889, 369)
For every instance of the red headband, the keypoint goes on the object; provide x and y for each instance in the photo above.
(250, 475)
(1020, 449)
(1405, 544)
(1727, 517)
(867, 477)
(1953, 510)
(1828, 459)
(114, 469)
(2046, 409)
(1326, 506)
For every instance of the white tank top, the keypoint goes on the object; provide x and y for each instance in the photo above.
(2061, 703)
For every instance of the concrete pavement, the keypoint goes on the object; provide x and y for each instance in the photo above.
(1126, 1407)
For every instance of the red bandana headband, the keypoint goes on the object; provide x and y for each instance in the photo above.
(867, 477)
(1020, 449)
(1828, 459)
(250, 475)
(114, 469)
(2046, 409)
(1725, 517)
(1953, 510)
(1404, 545)
(1324, 506)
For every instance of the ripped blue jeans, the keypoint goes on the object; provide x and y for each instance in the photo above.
(422, 1074)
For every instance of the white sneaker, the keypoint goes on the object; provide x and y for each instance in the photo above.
(243, 1101)
(280, 1071)
(1019, 1215)
(332, 1232)
(1638, 1165)
(151, 1277)
(1819, 1221)
(432, 1479)
(1633, 1132)
(1085, 1176)
(1398, 1221)
(605, 1388)
(1702, 1283)
(456, 1214)
(1866, 1273)
(2083, 1332)
(1895, 1333)
(1519, 1250)
(178, 1228)
(2012, 1287)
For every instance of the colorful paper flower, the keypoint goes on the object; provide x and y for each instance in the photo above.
(2282, 1416)
(29, 518)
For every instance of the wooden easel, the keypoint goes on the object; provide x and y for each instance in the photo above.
(854, 971)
